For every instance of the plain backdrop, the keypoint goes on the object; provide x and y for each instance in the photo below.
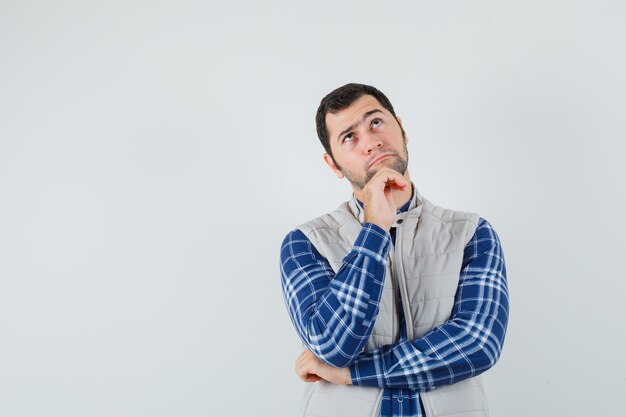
(153, 155)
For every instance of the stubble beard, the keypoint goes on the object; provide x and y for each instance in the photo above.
(396, 162)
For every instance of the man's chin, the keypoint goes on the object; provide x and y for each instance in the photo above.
(392, 162)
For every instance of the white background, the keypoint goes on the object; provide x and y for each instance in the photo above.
(153, 155)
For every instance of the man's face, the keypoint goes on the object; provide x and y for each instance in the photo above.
(363, 138)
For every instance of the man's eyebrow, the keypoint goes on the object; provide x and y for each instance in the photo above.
(353, 126)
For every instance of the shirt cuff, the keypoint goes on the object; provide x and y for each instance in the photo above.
(368, 371)
(373, 241)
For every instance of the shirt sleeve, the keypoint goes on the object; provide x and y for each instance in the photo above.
(334, 313)
(464, 346)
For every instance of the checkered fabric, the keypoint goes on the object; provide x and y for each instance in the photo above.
(334, 316)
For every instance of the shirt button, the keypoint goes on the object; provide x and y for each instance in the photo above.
(400, 398)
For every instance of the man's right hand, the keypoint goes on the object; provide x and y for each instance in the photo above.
(380, 207)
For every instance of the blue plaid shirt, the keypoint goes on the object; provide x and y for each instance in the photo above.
(334, 315)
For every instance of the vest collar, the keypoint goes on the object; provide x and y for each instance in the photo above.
(414, 210)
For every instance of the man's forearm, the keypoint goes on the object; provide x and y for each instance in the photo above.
(453, 352)
(464, 346)
(334, 313)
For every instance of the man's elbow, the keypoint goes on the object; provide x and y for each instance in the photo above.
(334, 355)
(485, 357)
(487, 348)
(336, 352)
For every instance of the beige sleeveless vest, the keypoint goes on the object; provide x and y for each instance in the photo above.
(423, 268)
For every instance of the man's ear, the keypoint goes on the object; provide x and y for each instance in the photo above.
(406, 139)
(329, 161)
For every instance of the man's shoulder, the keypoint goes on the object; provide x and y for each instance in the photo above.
(333, 220)
(443, 214)
(486, 232)
(302, 232)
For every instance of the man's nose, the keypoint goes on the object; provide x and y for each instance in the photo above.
(371, 142)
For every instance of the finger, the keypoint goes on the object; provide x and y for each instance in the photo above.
(313, 378)
(306, 365)
(302, 373)
(389, 197)
(397, 181)
(401, 182)
(301, 369)
(388, 175)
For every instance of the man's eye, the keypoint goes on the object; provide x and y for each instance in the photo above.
(348, 138)
(376, 123)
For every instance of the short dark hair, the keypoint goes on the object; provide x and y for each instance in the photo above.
(341, 98)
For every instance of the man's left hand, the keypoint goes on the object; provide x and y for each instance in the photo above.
(310, 369)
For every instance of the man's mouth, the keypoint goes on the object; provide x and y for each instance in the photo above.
(380, 158)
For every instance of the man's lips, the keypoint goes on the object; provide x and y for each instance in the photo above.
(380, 158)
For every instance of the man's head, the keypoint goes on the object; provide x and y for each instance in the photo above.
(341, 98)
(360, 132)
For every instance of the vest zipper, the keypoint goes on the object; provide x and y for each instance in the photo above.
(395, 322)
(401, 282)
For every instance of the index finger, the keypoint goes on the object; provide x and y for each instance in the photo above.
(388, 175)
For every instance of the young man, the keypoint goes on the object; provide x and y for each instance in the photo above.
(400, 304)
